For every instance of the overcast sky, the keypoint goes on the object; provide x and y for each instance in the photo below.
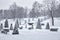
(4, 4)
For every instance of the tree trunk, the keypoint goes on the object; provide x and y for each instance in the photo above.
(52, 18)
(52, 21)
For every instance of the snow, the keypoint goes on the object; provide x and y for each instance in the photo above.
(34, 34)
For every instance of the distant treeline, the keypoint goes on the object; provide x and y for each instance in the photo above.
(37, 10)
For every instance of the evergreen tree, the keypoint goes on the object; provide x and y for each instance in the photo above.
(38, 24)
(17, 24)
(1, 27)
(11, 27)
(6, 24)
(47, 26)
(15, 31)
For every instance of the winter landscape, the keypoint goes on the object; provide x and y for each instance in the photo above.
(30, 20)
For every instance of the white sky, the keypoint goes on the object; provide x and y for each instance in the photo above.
(4, 4)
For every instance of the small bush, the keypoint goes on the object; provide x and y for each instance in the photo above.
(54, 29)
(21, 27)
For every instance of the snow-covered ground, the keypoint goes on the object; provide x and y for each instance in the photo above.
(34, 34)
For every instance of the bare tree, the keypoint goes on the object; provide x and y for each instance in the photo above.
(51, 5)
(13, 9)
(35, 12)
(17, 12)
